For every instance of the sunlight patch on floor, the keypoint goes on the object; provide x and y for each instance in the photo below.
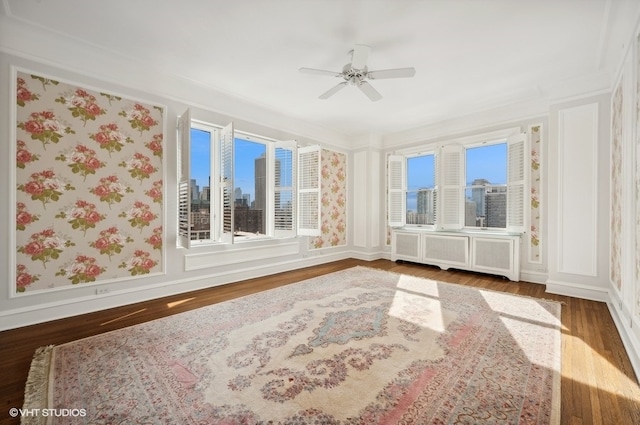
(529, 309)
(122, 317)
(417, 301)
(176, 303)
(594, 367)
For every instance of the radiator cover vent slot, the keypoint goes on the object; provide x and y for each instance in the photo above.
(493, 254)
(450, 249)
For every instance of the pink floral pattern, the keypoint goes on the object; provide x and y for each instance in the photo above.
(24, 279)
(89, 189)
(83, 269)
(111, 242)
(82, 104)
(23, 155)
(334, 199)
(535, 217)
(45, 127)
(82, 216)
(110, 138)
(23, 93)
(82, 160)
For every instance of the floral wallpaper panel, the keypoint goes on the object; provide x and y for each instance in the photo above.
(535, 243)
(616, 185)
(334, 201)
(89, 192)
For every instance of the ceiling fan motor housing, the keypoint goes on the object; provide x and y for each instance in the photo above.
(354, 76)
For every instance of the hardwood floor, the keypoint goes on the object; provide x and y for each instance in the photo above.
(598, 383)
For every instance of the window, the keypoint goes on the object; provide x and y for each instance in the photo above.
(420, 194)
(235, 186)
(250, 187)
(486, 186)
(477, 182)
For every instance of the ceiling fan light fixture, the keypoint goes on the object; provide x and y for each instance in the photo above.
(356, 74)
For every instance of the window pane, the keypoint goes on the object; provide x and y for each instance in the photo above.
(200, 184)
(486, 191)
(250, 179)
(420, 190)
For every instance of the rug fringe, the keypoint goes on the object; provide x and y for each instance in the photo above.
(36, 390)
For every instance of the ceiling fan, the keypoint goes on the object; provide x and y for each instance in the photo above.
(356, 74)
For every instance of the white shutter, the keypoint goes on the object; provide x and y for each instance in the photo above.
(226, 183)
(450, 198)
(184, 184)
(284, 189)
(308, 211)
(397, 187)
(517, 160)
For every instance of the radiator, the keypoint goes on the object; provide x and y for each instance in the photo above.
(497, 254)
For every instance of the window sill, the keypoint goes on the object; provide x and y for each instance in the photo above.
(466, 231)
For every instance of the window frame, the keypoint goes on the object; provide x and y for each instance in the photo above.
(486, 143)
(216, 231)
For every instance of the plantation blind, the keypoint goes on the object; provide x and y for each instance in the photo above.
(397, 186)
(184, 173)
(517, 159)
(308, 222)
(226, 183)
(450, 175)
(284, 189)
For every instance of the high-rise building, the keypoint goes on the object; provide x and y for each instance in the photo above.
(496, 203)
(478, 195)
(206, 194)
(470, 211)
(195, 190)
(426, 206)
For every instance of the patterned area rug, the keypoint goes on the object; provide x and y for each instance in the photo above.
(359, 346)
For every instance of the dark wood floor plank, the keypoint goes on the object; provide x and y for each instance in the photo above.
(598, 383)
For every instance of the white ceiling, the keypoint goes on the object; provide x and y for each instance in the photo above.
(469, 55)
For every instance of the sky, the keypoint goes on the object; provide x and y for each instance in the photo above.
(245, 154)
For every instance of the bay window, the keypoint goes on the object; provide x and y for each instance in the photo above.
(476, 182)
(236, 186)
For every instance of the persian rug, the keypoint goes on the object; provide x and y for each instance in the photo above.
(359, 346)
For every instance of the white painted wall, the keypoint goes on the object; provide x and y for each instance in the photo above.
(578, 215)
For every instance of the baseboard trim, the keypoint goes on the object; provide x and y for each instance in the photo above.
(629, 338)
(577, 290)
(533, 277)
(26, 316)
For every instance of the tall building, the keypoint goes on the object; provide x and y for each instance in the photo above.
(496, 203)
(478, 195)
(470, 217)
(195, 190)
(426, 206)
(206, 194)
(260, 201)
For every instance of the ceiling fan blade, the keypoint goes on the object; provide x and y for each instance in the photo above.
(360, 56)
(391, 73)
(333, 90)
(368, 90)
(320, 72)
